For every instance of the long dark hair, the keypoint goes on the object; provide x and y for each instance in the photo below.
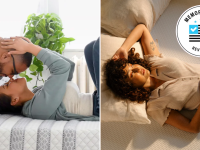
(6, 107)
(115, 78)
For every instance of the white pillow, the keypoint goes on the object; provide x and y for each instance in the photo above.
(119, 17)
(113, 108)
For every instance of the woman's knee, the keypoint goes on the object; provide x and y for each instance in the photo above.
(89, 48)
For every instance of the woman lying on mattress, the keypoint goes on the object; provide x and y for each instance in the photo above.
(166, 84)
(45, 102)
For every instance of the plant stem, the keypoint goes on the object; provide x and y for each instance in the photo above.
(37, 78)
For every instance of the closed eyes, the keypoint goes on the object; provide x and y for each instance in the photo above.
(6, 84)
(135, 70)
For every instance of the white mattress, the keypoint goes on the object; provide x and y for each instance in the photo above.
(129, 136)
(22, 133)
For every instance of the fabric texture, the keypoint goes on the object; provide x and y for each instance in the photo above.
(47, 101)
(119, 17)
(92, 58)
(76, 102)
(22, 133)
(181, 89)
(114, 108)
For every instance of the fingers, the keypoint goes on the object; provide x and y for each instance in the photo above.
(8, 40)
(7, 46)
(115, 57)
(14, 52)
(26, 39)
(4, 43)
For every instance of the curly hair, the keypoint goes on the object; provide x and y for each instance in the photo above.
(115, 78)
(6, 107)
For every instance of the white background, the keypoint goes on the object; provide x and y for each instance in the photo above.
(81, 19)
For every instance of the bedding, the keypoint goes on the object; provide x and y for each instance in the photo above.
(119, 17)
(22, 133)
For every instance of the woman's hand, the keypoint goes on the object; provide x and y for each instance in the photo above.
(19, 44)
(120, 54)
(26, 39)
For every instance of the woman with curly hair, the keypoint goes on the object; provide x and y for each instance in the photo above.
(167, 84)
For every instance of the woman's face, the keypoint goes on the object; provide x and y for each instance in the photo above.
(14, 87)
(136, 74)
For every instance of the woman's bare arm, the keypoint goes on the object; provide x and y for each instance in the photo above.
(139, 32)
(148, 44)
(179, 121)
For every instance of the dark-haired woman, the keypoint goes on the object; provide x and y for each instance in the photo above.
(45, 102)
(167, 84)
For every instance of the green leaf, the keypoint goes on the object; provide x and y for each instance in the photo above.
(31, 29)
(49, 19)
(24, 28)
(51, 30)
(33, 67)
(40, 68)
(53, 38)
(27, 78)
(59, 46)
(40, 73)
(33, 39)
(22, 74)
(43, 46)
(65, 40)
(57, 32)
(30, 16)
(43, 21)
(39, 29)
(46, 43)
(55, 46)
(50, 46)
(29, 34)
(47, 15)
(34, 87)
(41, 16)
(35, 22)
(37, 62)
(60, 35)
(34, 73)
(62, 48)
(46, 36)
(43, 31)
(37, 42)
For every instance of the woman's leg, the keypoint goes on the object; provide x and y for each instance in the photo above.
(92, 59)
(96, 72)
(88, 51)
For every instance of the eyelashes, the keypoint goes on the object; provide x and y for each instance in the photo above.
(135, 70)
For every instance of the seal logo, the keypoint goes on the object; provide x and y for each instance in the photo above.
(188, 31)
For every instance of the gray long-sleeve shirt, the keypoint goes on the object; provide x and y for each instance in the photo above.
(47, 101)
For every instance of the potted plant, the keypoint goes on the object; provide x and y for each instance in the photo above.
(44, 30)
